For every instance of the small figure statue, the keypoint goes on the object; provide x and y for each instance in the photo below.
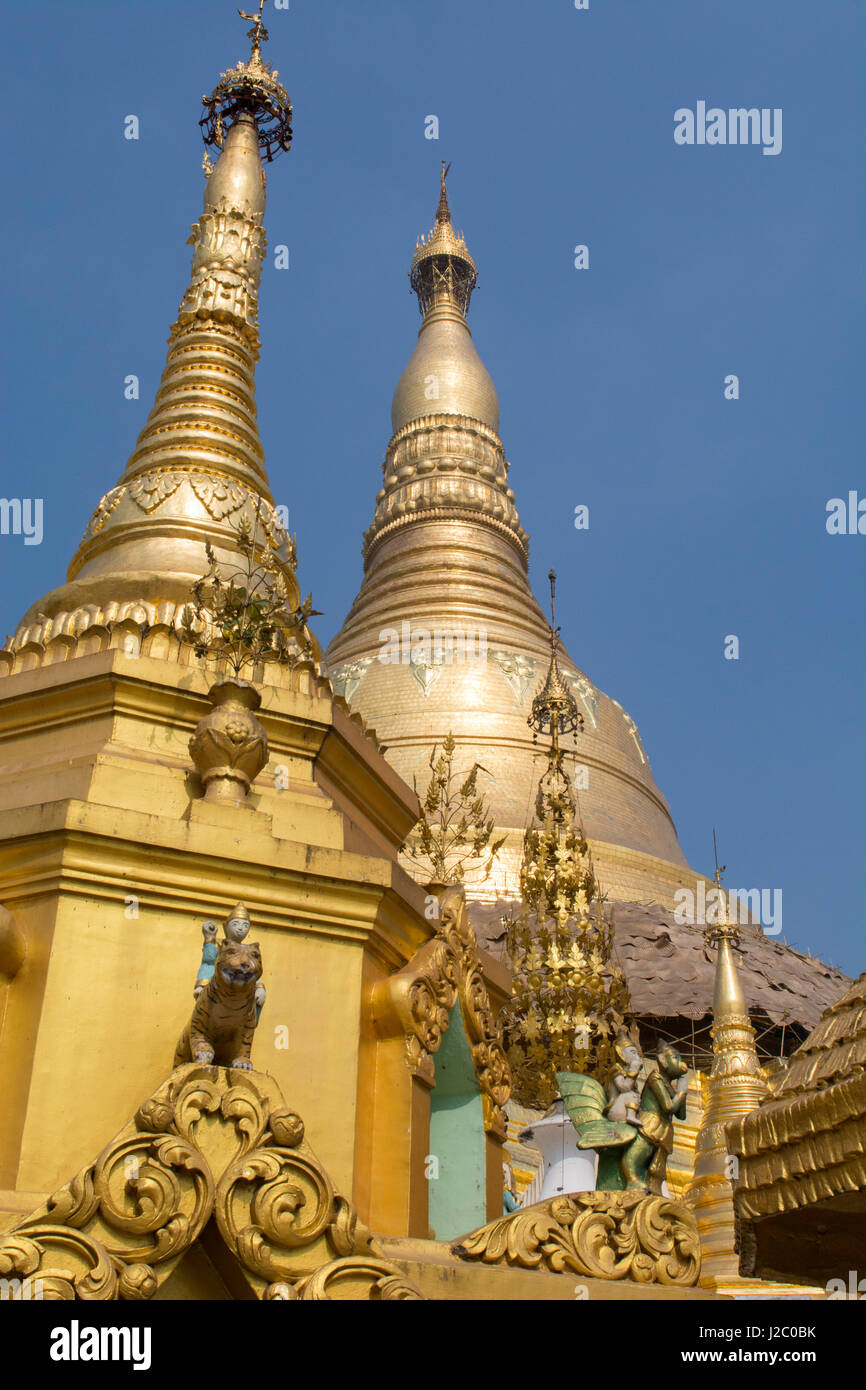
(236, 929)
(663, 1100)
(510, 1200)
(225, 1016)
(229, 997)
(623, 1093)
(633, 1143)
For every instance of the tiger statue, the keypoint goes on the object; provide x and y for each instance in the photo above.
(223, 1021)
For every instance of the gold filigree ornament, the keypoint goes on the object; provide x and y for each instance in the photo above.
(151, 490)
(219, 496)
(600, 1235)
(211, 1140)
(103, 511)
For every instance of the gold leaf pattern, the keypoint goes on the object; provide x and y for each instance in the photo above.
(600, 1235)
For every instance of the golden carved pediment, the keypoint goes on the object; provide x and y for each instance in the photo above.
(213, 1146)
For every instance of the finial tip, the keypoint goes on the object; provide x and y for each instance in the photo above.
(443, 212)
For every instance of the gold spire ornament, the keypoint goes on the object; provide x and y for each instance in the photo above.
(443, 272)
(735, 1086)
(198, 467)
(554, 709)
(251, 89)
(569, 999)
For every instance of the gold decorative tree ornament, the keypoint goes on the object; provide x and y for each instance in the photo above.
(569, 998)
(242, 615)
(454, 833)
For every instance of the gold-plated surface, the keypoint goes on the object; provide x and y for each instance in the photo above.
(111, 857)
(446, 552)
(198, 465)
(601, 1235)
(212, 1144)
(806, 1142)
(735, 1086)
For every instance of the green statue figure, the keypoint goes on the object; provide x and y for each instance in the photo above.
(633, 1134)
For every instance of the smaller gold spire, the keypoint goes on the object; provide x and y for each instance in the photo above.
(735, 1086)
(554, 709)
(729, 1002)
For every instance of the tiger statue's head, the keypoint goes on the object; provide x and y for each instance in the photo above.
(238, 964)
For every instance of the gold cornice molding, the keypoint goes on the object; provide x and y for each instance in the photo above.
(417, 1001)
(69, 846)
(211, 1146)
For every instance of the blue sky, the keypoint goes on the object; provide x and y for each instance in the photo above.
(707, 516)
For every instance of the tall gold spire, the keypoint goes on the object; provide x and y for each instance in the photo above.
(735, 1086)
(446, 553)
(198, 465)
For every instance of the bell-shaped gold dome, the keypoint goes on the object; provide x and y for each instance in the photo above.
(446, 635)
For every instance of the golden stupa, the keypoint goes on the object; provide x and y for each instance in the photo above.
(348, 1139)
(446, 555)
(446, 637)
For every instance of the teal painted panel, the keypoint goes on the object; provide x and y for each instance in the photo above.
(456, 1164)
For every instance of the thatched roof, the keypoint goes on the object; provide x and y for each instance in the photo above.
(670, 973)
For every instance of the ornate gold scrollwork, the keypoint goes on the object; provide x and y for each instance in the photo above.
(357, 1278)
(118, 1229)
(62, 1262)
(600, 1235)
(422, 995)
